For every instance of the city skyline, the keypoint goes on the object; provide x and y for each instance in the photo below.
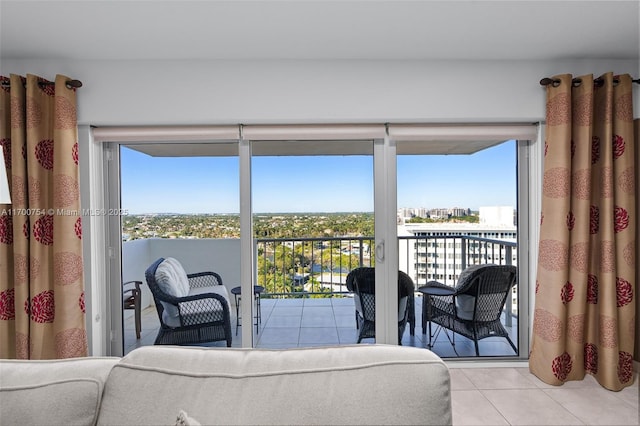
(314, 184)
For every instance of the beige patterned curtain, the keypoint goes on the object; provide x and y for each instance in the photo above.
(42, 308)
(584, 317)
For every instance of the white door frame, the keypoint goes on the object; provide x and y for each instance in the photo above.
(99, 258)
(386, 240)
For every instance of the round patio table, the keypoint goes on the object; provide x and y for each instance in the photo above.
(237, 293)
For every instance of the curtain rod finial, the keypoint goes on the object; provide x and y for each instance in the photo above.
(547, 81)
(74, 84)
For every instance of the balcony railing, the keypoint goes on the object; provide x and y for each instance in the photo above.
(296, 267)
(317, 267)
(443, 258)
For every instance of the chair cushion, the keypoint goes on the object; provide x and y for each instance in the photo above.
(370, 298)
(218, 289)
(465, 302)
(402, 307)
(358, 304)
(464, 306)
(172, 279)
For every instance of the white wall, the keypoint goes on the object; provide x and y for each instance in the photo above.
(250, 92)
(195, 255)
(135, 260)
(200, 255)
(261, 92)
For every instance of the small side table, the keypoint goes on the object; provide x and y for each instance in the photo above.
(430, 291)
(237, 295)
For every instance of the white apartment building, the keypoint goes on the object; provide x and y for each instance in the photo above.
(406, 213)
(441, 251)
(497, 216)
(445, 253)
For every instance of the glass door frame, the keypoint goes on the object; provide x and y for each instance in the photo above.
(386, 240)
(101, 268)
(384, 171)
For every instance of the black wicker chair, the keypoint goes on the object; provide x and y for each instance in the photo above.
(201, 316)
(475, 307)
(361, 281)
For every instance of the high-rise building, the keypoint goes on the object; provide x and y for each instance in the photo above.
(497, 216)
(441, 251)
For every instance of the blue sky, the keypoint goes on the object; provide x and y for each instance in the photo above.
(315, 184)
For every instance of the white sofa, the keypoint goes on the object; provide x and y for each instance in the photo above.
(364, 384)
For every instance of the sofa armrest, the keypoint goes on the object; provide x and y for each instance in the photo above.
(53, 392)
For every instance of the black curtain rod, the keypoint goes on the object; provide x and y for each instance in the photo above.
(71, 84)
(555, 82)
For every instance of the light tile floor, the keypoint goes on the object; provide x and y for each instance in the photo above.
(514, 396)
(480, 396)
(287, 323)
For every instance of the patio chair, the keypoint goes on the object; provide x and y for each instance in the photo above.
(361, 281)
(474, 308)
(131, 299)
(192, 308)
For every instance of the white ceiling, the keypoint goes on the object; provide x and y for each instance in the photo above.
(307, 29)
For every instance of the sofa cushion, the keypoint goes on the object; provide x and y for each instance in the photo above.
(363, 384)
(172, 279)
(55, 392)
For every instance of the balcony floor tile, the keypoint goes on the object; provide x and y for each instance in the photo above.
(279, 335)
(284, 321)
(318, 335)
(279, 310)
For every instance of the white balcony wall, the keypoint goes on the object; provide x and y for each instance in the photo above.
(135, 259)
(195, 255)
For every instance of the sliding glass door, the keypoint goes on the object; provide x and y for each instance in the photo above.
(457, 212)
(313, 223)
(299, 207)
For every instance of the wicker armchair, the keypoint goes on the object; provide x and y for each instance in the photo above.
(475, 306)
(199, 316)
(361, 281)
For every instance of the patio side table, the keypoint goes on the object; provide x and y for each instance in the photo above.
(428, 292)
(237, 295)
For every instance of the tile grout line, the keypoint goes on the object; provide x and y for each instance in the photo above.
(485, 397)
(534, 388)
